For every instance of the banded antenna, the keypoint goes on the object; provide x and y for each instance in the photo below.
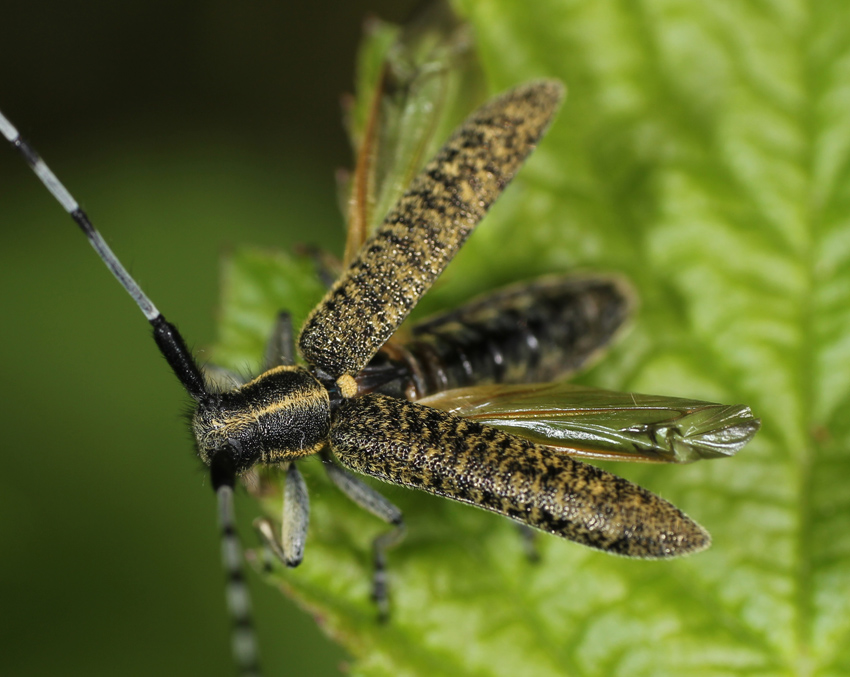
(184, 366)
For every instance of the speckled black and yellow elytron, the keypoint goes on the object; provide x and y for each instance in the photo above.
(449, 456)
(354, 395)
(431, 221)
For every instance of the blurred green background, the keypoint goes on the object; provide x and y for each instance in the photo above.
(183, 128)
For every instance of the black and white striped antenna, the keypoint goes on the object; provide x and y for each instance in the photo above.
(170, 343)
(184, 366)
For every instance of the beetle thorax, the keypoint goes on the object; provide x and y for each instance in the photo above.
(281, 415)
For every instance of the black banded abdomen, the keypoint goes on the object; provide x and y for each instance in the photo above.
(530, 332)
(411, 445)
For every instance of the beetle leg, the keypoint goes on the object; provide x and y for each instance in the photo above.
(380, 580)
(289, 548)
(328, 267)
(369, 499)
(280, 350)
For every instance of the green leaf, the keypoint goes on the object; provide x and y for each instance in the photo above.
(703, 153)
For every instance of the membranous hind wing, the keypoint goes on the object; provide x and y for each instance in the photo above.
(603, 424)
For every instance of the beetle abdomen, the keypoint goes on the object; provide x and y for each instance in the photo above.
(530, 332)
(422, 448)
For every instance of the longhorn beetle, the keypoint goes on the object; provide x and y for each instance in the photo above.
(352, 400)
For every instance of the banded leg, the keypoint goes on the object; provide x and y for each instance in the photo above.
(289, 549)
(244, 641)
(369, 499)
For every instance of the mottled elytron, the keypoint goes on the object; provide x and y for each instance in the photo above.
(352, 399)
